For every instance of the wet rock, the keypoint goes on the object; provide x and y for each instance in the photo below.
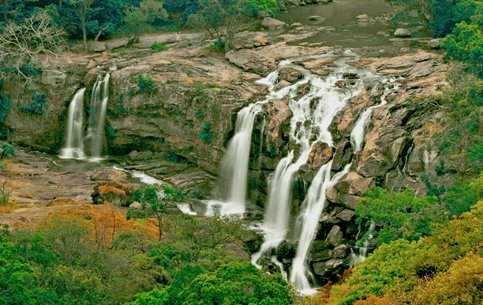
(278, 112)
(320, 251)
(316, 18)
(97, 46)
(135, 205)
(354, 184)
(363, 18)
(286, 250)
(340, 251)
(341, 83)
(296, 25)
(334, 263)
(291, 75)
(272, 24)
(346, 215)
(343, 153)
(402, 33)
(320, 154)
(138, 156)
(335, 236)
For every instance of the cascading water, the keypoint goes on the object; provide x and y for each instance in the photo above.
(357, 133)
(312, 115)
(97, 117)
(313, 206)
(74, 146)
(74, 143)
(307, 127)
(234, 165)
(365, 247)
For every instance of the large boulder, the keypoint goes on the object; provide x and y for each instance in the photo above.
(272, 24)
(320, 154)
(402, 33)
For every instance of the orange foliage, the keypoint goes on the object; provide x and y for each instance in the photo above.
(373, 300)
(106, 221)
(108, 189)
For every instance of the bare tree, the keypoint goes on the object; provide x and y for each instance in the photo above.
(36, 37)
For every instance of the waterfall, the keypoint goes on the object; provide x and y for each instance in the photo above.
(234, 164)
(313, 206)
(74, 143)
(97, 117)
(308, 126)
(363, 250)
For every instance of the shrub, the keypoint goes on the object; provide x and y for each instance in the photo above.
(461, 284)
(158, 46)
(8, 150)
(37, 106)
(146, 85)
(465, 44)
(5, 106)
(4, 194)
(206, 134)
(398, 215)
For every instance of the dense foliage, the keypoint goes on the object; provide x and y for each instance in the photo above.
(236, 283)
(73, 260)
(428, 270)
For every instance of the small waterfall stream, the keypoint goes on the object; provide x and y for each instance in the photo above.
(74, 144)
(74, 141)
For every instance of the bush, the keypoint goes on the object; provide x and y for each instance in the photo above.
(206, 134)
(5, 106)
(146, 85)
(398, 215)
(8, 150)
(37, 106)
(461, 284)
(397, 268)
(465, 44)
(235, 283)
(158, 46)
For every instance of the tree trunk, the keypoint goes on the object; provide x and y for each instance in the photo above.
(84, 32)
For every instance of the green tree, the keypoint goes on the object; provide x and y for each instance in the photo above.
(235, 283)
(465, 44)
(222, 19)
(82, 8)
(143, 18)
(155, 200)
(398, 215)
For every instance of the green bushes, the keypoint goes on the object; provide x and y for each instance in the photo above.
(5, 106)
(400, 267)
(8, 150)
(462, 144)
(465, 44)
(206, 134)
(235, 283)
(146, 85)
(37, 106)
(158, 46)
(398, 215)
